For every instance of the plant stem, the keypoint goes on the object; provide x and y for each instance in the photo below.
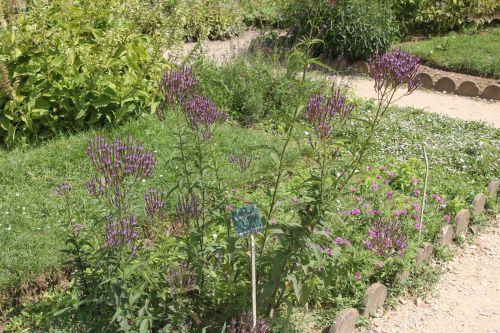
(283, 151)
(424, 197)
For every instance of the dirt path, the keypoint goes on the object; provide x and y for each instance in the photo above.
(451, 105)
(466, 298)
(454, 106)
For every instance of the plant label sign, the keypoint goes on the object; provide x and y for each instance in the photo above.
(246, 220)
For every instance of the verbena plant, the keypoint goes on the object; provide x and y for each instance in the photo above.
(170, 261)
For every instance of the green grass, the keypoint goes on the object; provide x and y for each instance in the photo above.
(463, 157)
(476, 53)
(33, 223)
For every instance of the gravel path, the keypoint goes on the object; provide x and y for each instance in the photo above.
(461, 107)
(451, 105)
(466, 298)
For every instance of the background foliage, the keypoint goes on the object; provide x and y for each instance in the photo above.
(437, 17)
(352, 29)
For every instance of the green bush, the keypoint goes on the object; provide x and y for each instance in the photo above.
(262, 12)
(431, 16)
(213, 19)
(251, 88)
(69, 66)
(354, 29)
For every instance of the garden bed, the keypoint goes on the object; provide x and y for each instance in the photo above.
(150, 214)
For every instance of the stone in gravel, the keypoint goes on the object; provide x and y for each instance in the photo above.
(493, 188)
(402, 276)
(360, 67)
(345, 321)
(446, 235)
(478, 204)
(446, 84)
(374, 298)
(468, 88)
(424, 253)
(462, 221)
(425, 80)
(491, 92)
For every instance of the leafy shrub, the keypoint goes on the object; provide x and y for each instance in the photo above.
(354, 29)
(431, 17)
(262, 12)
(251, 88)
(213, 18)
(68, 66)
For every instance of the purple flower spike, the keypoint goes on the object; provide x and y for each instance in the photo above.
(201, 113)
(176, 84)
(394, 70)
(154, 203)
(386, 238)
(342, 241)
(321, 112)
(357, 276)
(120, 232)
(116, 162)
(355, 211)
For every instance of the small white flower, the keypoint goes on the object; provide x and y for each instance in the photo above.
(306, 133)
(144, 180)
(214, 235)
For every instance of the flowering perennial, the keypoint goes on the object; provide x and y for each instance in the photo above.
(394, 70)
(320, 111)
(154, 203)
(176, 84)
(386, 238)
(117, 161)
(201, 113)
(122, 231)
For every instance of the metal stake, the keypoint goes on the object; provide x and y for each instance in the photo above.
(254, 283)
(424, 197)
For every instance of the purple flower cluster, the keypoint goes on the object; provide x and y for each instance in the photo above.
(117, 161)
(386, 238)
(343, 242)
(62, 189)
(119, 232)
(439, 199)
(394, 70)
(201, 113)
(155, 201)
(176, 84)
(321, 110)
(245, 325)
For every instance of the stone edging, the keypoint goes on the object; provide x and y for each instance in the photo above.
(444, 84)
(376, 294)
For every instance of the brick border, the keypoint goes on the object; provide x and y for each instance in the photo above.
(444, 84)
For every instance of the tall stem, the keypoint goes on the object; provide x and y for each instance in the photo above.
(181, 144)
(283, 151)
(424, 197)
